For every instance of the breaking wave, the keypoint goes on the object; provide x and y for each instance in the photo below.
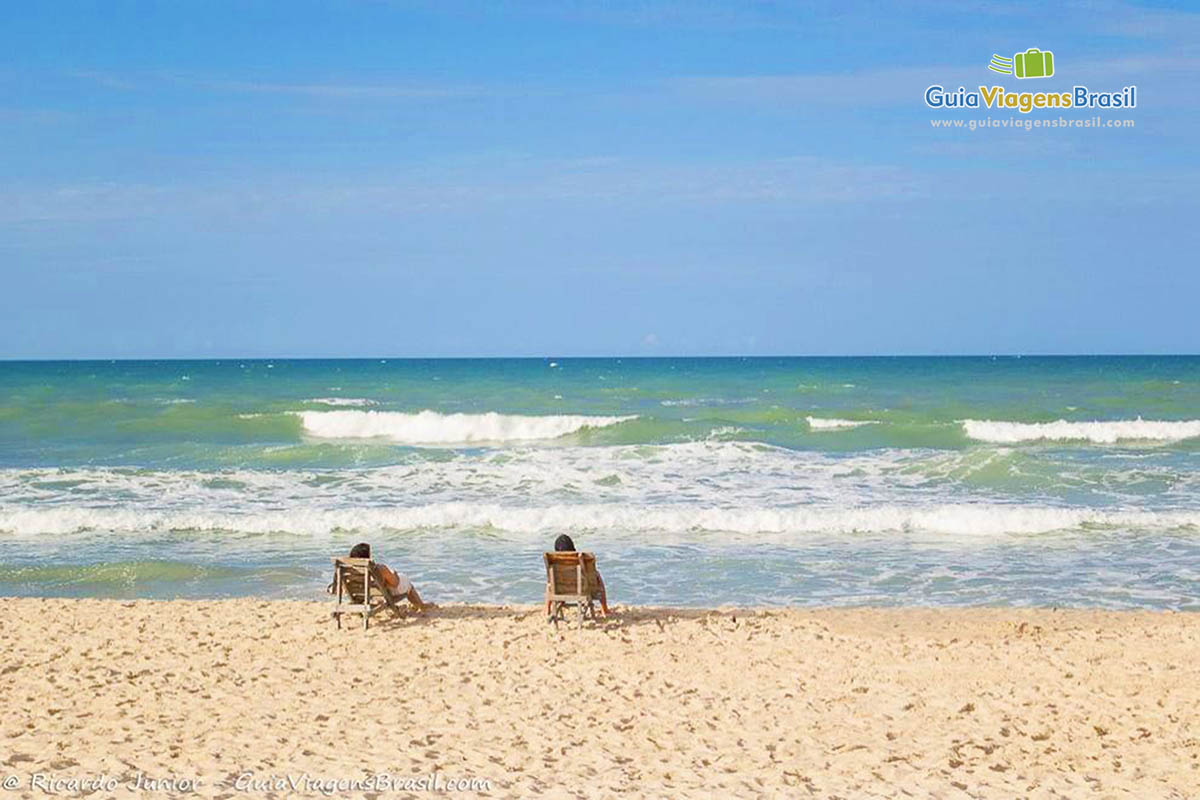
(343, 401)
(432, 428)
(833, 424)
(1097, 432)
(957, 519)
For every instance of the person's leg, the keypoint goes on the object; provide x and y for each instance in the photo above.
(415, 599)
(603, 596)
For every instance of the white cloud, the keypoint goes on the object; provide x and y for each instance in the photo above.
(479, 184)
(411, 90)
(316, 89)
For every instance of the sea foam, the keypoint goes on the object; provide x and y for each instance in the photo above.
(1097, 432)
(343, 401)
(833, 424)
(955, 520)
(432, 428)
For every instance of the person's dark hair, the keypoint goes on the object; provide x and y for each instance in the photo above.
(360, 550)
(563, 544)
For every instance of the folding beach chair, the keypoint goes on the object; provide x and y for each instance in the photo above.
(571, 580)
(359, 582)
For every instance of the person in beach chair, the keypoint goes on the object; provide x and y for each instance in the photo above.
(564, 568)
(356, 575)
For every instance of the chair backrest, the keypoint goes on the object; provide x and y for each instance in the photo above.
(571, 573)
(353, 576)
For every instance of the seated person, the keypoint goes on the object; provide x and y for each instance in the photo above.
(563, 544)
(399, 584)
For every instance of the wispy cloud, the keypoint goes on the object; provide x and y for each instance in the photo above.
(872, 87)
(600, 185)
(1179, 27)
(413, 89)
(398, 89)
(696, 14)
(103, 79)
(904, 86)
(481, 185)
(36, 116)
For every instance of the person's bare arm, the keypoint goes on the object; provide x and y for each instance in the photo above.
(389, 577)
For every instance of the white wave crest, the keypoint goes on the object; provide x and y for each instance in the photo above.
(950, 520)
(432, 428)
(342, 401)
(1097, 432)
(708, 401)
(833, 424)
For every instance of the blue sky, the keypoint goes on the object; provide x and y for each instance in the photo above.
(194, 179)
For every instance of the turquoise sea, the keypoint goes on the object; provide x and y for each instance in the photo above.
(1070, 481)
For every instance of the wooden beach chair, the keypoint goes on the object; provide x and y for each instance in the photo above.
(358, 583)
(571, 580)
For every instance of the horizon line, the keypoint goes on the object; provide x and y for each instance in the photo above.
(640, 357)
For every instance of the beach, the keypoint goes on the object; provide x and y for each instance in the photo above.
(223, 698)
(902, 530)
(869, 402)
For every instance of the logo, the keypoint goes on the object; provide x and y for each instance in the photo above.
(1033, 63)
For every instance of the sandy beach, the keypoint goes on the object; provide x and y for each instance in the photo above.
(233, 697)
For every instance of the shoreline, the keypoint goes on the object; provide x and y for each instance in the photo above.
(989, 702)
(455, 609)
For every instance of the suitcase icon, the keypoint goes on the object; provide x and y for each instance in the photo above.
(1034, 63)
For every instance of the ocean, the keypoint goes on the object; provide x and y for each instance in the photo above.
(1035, 481)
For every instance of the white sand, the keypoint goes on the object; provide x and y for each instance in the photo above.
(847, 703)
